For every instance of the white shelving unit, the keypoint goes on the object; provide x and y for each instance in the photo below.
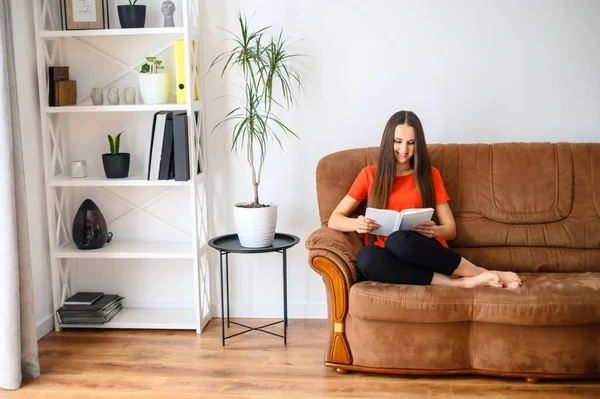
(51, 42)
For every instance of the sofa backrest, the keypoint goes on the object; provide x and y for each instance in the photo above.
(518, 206)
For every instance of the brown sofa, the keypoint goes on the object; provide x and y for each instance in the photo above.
(533, 208)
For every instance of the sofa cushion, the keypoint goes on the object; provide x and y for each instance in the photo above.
(525, 184)
(546, 299)
(410, 303)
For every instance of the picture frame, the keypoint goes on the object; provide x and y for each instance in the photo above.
(84, 14)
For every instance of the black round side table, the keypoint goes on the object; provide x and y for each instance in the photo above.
(230, 243)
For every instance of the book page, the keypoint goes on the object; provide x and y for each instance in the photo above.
(386, 218)
(410, 217)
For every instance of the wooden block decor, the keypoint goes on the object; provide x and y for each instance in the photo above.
(65, 92)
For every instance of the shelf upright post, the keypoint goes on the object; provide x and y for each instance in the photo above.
(203, 153)
(41, 51)
(192, 164)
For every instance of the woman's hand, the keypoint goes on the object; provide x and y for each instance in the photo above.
(427, 228)
(364, 225)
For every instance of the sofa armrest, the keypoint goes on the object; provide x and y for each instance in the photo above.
(332, 254)
(327, 242)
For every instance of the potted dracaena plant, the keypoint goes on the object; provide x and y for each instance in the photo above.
(116, 164)
(154, 86)
(266, 67)
(132, 15)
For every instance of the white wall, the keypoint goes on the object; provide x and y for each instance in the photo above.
(25, 58)
(474, 71)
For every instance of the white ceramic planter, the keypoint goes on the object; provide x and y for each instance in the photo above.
(154, 87)
(255, 226)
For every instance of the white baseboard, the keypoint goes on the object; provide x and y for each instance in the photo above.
(44, 326)
(248, 309)
(245, 309)
(263, 310)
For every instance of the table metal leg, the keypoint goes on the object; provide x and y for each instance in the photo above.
(227, 281)
(285, 318)
(222, 301)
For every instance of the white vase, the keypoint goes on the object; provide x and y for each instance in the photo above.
(154, 87)
(97, 96)
(113, 96)
(130, 95)
(255, 227)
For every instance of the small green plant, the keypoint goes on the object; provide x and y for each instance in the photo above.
(114, 143)
(152, 66)
(132, 3)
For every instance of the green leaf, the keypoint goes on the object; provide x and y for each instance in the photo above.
(145, 68)
(112, 144)
(238, 132)
(117, 143)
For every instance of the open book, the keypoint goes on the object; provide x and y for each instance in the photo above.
(391, 220)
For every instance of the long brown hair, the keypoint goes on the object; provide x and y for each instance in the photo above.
(386, 166)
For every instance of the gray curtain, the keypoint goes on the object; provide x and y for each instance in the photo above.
(18, 343)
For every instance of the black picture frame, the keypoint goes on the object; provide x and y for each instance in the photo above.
(68, 14)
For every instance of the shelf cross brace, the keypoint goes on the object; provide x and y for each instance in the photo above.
(47, 16)
(64, 272)
(57, 157)
(61, 226)
(141, 208)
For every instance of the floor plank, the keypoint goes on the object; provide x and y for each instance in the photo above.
(150, 364)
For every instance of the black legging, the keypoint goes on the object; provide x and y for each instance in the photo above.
(408, 258)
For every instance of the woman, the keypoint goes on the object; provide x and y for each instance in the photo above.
(404, 178)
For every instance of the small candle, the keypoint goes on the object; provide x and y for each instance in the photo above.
(78, 168)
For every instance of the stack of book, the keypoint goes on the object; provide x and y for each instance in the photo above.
(89, 308)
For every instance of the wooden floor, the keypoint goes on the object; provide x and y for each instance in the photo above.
(81, 364)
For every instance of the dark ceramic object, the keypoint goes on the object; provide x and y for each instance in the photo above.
(89, 227)
(116, 165)
(132, 16)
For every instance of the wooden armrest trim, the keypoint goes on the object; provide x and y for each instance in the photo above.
(337, 290)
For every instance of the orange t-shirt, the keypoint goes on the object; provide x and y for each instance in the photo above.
(404, 193)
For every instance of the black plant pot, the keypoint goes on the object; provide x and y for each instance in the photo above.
(132, 16)
(116, 165)
(89, 227)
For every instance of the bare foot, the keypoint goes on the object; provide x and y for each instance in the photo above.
(485, 279)
(510, 280)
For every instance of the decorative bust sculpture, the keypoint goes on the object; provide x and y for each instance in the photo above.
(168, 9)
